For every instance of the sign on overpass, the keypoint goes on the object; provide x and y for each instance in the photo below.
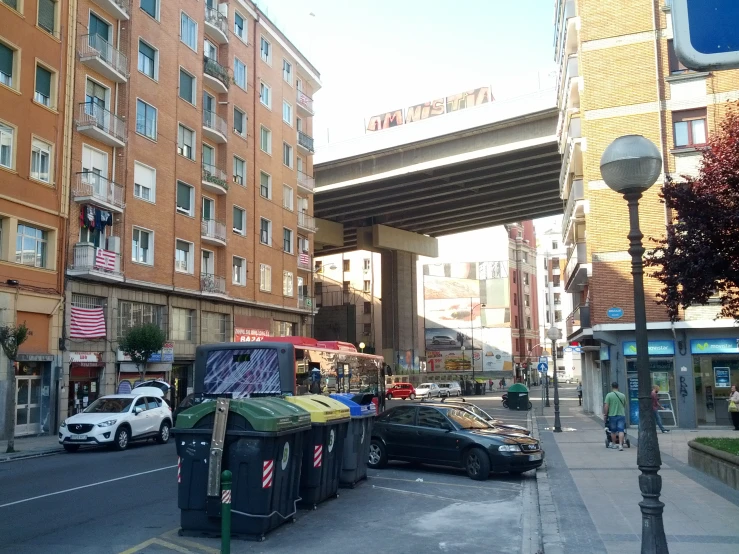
(706, 33)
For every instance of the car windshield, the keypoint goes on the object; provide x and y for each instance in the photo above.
(466, 420)
(444, 385)
(109, 406)
(477, 411)
(425, 385)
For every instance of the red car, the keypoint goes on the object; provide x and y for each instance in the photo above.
(401, 390)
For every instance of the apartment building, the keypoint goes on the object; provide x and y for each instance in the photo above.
(191, 187)
(35, 61)
(619, 75)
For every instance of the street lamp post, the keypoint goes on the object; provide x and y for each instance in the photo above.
(472, 336)
(630, 165)
(361, 346)
(553, 334)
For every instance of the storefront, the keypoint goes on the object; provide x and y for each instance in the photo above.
(715, 369)
(158, 366)
(662, 372)
(85, 369)
(182, 380)
(33, 394)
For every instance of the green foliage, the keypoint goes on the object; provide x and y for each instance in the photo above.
(11, 337)
(727, 445)
(141, 342)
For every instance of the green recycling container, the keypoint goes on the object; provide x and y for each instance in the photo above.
(518, 397)
(263, 449)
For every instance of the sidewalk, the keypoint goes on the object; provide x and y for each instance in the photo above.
(28, 447)
(595, 492)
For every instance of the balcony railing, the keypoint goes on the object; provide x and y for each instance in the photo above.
(577, 256)
(306, 221)
(215, 122)
(213, 229)
(214, 175)
(117, 8)
(304, 101)
(87, 258)
(306, 141)
(95, 46)
(92, 186)
(306, 181)
(93, 115)
(217, 71)
(213, 284)
(217, 19)
(577, 194)
(579, 319)
(304, 261)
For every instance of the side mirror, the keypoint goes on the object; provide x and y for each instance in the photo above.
(137, 410)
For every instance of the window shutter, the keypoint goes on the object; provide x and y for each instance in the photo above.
(185, 86)
(146, 50)
(43, 81)
(150, 7)
(144, 240)
(46, 14)
(183, 196)
(6, 60)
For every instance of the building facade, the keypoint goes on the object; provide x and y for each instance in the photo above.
(619, 75)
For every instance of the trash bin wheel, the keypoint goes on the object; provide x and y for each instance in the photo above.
(477, 464)
(377, 455)
(505, 403)
(530, 406)
(163, 436)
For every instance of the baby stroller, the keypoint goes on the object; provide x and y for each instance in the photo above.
(627, 442)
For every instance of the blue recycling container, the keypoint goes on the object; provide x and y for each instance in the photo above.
(357, 442)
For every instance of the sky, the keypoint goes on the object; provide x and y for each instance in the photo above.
(380, 55)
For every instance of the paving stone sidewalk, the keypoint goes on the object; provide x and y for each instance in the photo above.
(28, 447)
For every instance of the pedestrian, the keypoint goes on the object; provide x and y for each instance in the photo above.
(579, 393)
(656, 407)
(614, 413)
(490, 385)
(734, 407)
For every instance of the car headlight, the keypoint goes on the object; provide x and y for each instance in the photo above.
(107, 423)
(509, 448)
(64, 423)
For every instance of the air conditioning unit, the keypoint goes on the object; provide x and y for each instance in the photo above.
(114, 244)
(180, 151)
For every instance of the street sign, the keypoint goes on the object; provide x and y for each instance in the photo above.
(542, 367)
(706, 34)
(573, 348)
(543, 359)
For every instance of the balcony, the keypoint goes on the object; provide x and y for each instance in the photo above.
(577, 269)
(214, 179)
(95, 263)
(304, 102)
(305, 142)
(216, 25)
(98, 123)
(99, 55)
(571, 165)
(214, 127)
(304, 261)
(306, 182)
(306, 222)
(216, 76)
(568, 71)
(212, 284)
(120, 9)
(213, 232)
(91, 188)
(305, 302)
(578, 323)
(574, 209)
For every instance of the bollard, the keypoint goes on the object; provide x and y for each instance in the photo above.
(226, 512)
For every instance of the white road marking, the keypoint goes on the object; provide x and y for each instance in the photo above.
(430, 495)
(86, 486)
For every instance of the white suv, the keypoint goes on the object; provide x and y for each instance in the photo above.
(117, 420)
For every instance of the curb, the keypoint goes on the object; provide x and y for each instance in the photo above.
(25, 456)
(551, 541)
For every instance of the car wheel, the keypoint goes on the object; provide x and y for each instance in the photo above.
(163, 436)
(377, 455)
(477, 464)
(412, 396)
(121, 439)
(71, 447)
(390, 396)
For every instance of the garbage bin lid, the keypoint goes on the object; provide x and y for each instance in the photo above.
(322, 408)
(518, 387)
(271, 415)
(355, 409)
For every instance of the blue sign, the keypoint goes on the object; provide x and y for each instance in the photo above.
(634, 400)
(714, 346)
(615, 313)
(722, 377)
(542, 367)
(706, 33)
(605, 353)
(655, 348)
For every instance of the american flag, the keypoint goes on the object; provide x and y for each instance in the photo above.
(87, 323)
(104, 259)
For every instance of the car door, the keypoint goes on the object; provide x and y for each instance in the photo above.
(140, 420)
(434, 441)
(154, 413)
(399, 430)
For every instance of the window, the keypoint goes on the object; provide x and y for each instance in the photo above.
(557, 316)
(287, 197)
(150, 7)
(287, 283)
(318, 288)
(142, 247)
(239, 224)
(287, 240)
(403, 415)
(30, 246)
(555, 280)
(146, 120)
(525, 276)
(40, 161)
(524, 257)
(367, 329)
(347, 265)
(431, 418)
(287, 72)
(265, 94)
(185, 198)
(7, 143)
(676, 66)
(555, 245)
(287, 155)
(528, 323)
(239, 26)
(43, 86)
(515, 299)
(367, 286)
(210, 51)
(265, 140)
(189, 31)
(144, 179)
(187, 87)
(239, 271)
(184, 255)
(347, 286)
(285, 328)
(265, 185)
(265, 278)
(47, 15)
(265, 231)
(266, 51)
(7, 72)
(287, 112)
(213, 326)
(239, 122)
(367, 308)
(135, 314)
(366, 264)
(239, 171)
(147, 60)
(690, 128)
(186, 142)
(526, 300)
(239, 73)
(181, 323)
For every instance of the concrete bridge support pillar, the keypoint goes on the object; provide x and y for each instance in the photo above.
(400, 311)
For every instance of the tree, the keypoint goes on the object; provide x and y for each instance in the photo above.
(11, 338)
(140, 343)
(699, 256)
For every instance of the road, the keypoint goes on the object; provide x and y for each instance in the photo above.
(99, 501)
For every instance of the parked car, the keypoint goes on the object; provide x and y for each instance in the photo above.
(450, 389)
(401, 390)
(118, 419)
(450, 436)
(428, 390)
(442, 339)
(479, 412)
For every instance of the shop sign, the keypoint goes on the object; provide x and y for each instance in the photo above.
(35, 358)
(86, 359)
(633, 400)
(655, 348)
(165, 355)
(605, 353)
(714, 346)
(615, 313)
(250, 335)
(723, 381)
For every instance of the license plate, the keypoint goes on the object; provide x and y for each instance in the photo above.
(534, 457)
(78, 437)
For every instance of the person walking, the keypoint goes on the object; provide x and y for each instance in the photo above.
(734, 407)
(614, 413)
(656, 407)
(579, 393)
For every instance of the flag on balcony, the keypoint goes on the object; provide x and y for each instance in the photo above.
(304, 259)
(87, 323)
(104, 259)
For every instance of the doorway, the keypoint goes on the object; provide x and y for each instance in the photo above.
(28, 405)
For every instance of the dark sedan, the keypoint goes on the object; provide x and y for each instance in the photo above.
(475, 409)
(450, 436)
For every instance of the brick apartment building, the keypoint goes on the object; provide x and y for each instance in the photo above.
(619, 75)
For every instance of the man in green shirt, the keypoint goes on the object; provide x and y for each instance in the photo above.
(614, 411)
